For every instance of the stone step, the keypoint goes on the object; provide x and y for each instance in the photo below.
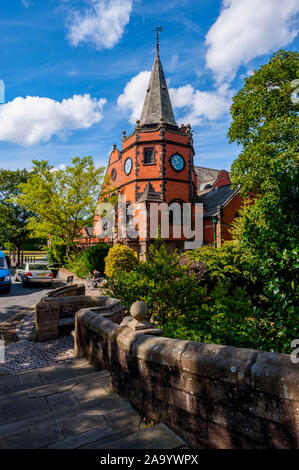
(46, 375)
(70, 406)
(53, 388)
(53, 397)
(101, 406)
(156, 437)
(74, 427)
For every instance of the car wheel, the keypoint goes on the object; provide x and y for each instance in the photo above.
(23, 282)
(7, 291)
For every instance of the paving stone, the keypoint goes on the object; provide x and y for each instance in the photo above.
(30, 380)
(73, 409)
(157, 437)
(16, 410)
(126, 418)
(33, 439)
(81, 423)
(90, 390)
(83, 439)
(61, 400)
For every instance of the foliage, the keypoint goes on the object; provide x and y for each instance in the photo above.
(265, 122)
(56, 253)
(162, 283)
(231, 262)
(228, 316)
(14, 230)
(120, 258)
(63, 200)
(210, 295)
(194, 267)
(92, 258)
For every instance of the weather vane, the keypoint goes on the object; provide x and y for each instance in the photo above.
(158, 30)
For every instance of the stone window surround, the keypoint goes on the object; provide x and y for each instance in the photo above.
(155, 152)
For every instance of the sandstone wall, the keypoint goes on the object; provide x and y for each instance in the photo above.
(57, 309)
(213, 396)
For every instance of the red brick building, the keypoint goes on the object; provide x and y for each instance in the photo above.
(156, 164)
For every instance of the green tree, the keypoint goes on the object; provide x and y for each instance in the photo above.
(265, 122)
(64, 200)
(14, 230)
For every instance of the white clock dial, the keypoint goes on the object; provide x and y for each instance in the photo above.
(128, 166)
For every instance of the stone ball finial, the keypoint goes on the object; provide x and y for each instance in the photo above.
(139, 310)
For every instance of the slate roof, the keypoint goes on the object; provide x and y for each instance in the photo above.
(157, 103)
(149, 194)
(205, 174)
(216, 197)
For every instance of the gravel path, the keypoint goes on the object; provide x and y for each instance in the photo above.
(26, 355)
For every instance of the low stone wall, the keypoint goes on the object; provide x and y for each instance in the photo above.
(213, 396)
(57, 310)
(66, 291)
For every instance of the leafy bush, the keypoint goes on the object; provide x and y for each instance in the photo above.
(229, 262)
(56, 252)
(162, 283)
(209, 295)
(120, 258)
(90, 259)
(195, 268)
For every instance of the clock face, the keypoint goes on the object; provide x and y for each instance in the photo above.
(177, 162)
(128, 166)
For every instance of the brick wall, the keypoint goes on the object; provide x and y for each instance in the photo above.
(213, 396)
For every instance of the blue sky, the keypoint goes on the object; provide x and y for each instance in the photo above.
(75, 72)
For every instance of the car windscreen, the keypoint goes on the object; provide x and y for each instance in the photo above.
(2, 263)
(38, 267)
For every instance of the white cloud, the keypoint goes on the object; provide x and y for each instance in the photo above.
(201, 105)
(102, 24)
(31, 120)
(132, 99)
(246, 29)
(195, 105)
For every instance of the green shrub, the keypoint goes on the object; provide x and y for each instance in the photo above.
(90, 259)
(120, 258)
(209, 295)
(162, 283)
(57, 252)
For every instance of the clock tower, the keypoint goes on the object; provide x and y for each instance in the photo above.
(155, 163)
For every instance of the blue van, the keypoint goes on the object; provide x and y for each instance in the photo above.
(5, 277)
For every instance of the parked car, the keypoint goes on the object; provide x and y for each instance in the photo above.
(5, 277)
(30, 273)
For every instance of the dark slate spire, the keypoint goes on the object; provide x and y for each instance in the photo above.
(157, 103)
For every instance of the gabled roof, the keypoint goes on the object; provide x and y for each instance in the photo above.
(88, 231)
(149, 194)
(216, 197)
(157, 103)
(205, 174)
